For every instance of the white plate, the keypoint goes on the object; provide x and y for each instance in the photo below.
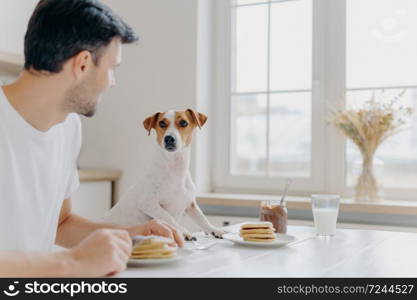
(181, 253)
(282, 239)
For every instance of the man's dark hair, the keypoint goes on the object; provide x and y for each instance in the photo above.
(60, 29)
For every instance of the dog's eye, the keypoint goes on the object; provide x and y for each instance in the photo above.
(162, 124)
(183, 123)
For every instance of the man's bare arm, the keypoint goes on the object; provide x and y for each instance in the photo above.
(94, 251)
(73, 228)
(18, 264)
(103, 252)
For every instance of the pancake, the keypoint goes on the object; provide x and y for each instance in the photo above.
(259, 240)
(258, 225)
(162, 256)
(152, 247)
(153, 251)
(165, 253)
(258, 230)
(261, 232)
(258, 236)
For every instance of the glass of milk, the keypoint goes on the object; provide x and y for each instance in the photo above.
(325, 211)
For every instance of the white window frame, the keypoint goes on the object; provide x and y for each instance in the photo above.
(328, 170)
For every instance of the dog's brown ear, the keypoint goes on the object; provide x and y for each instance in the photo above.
(150, 122)
(198, 118)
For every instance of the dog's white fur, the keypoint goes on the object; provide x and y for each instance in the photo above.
(166, 192)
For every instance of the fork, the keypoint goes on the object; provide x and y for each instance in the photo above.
(199, 246)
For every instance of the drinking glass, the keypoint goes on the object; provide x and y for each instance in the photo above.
(325, 212)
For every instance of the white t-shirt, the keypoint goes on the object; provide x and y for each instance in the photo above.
(38, 170)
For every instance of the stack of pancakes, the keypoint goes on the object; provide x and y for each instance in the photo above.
(262, 232)
(152, 248)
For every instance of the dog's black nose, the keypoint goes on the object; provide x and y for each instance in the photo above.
(169, 140)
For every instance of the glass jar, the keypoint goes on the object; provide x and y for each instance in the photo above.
(277, 214)
(368, 180)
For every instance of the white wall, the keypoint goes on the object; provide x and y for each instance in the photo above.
(158, 74)
(14, 16)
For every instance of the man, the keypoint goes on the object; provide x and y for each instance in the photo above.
(71, 50)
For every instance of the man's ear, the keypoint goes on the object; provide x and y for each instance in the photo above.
(81, 61)
(198, 118)
(150, 122)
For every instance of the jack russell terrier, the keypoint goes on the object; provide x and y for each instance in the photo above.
(167, 192)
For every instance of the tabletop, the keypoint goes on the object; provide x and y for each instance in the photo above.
(350, 253)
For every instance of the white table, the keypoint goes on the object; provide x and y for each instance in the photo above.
(351, 253)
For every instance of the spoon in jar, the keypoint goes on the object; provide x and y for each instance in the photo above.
(287, 186)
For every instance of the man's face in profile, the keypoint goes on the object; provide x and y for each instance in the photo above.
(84, 98)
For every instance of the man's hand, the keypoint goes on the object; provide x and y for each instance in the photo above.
(157, 227)
(104, 252)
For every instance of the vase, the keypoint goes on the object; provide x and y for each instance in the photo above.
(368, 178)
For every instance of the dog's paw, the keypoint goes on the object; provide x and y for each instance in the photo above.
(188, 236)
(216, 232)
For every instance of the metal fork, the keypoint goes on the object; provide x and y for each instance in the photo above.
(199, 246)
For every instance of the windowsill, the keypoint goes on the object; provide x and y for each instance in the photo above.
(304, 203)
(10, 63)
(11, 59)
(99, 174)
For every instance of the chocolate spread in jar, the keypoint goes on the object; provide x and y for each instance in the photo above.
(276, 214)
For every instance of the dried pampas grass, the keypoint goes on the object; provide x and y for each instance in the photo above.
(368, 128)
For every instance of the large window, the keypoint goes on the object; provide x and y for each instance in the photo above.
(381, 59)
(282, 65)
(271, 88)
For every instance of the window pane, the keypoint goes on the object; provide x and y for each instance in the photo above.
(399, 153)
(248, 139)
(290, 134)
(249, 54)
(381, 43)
(291, 45)
(243, 2)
